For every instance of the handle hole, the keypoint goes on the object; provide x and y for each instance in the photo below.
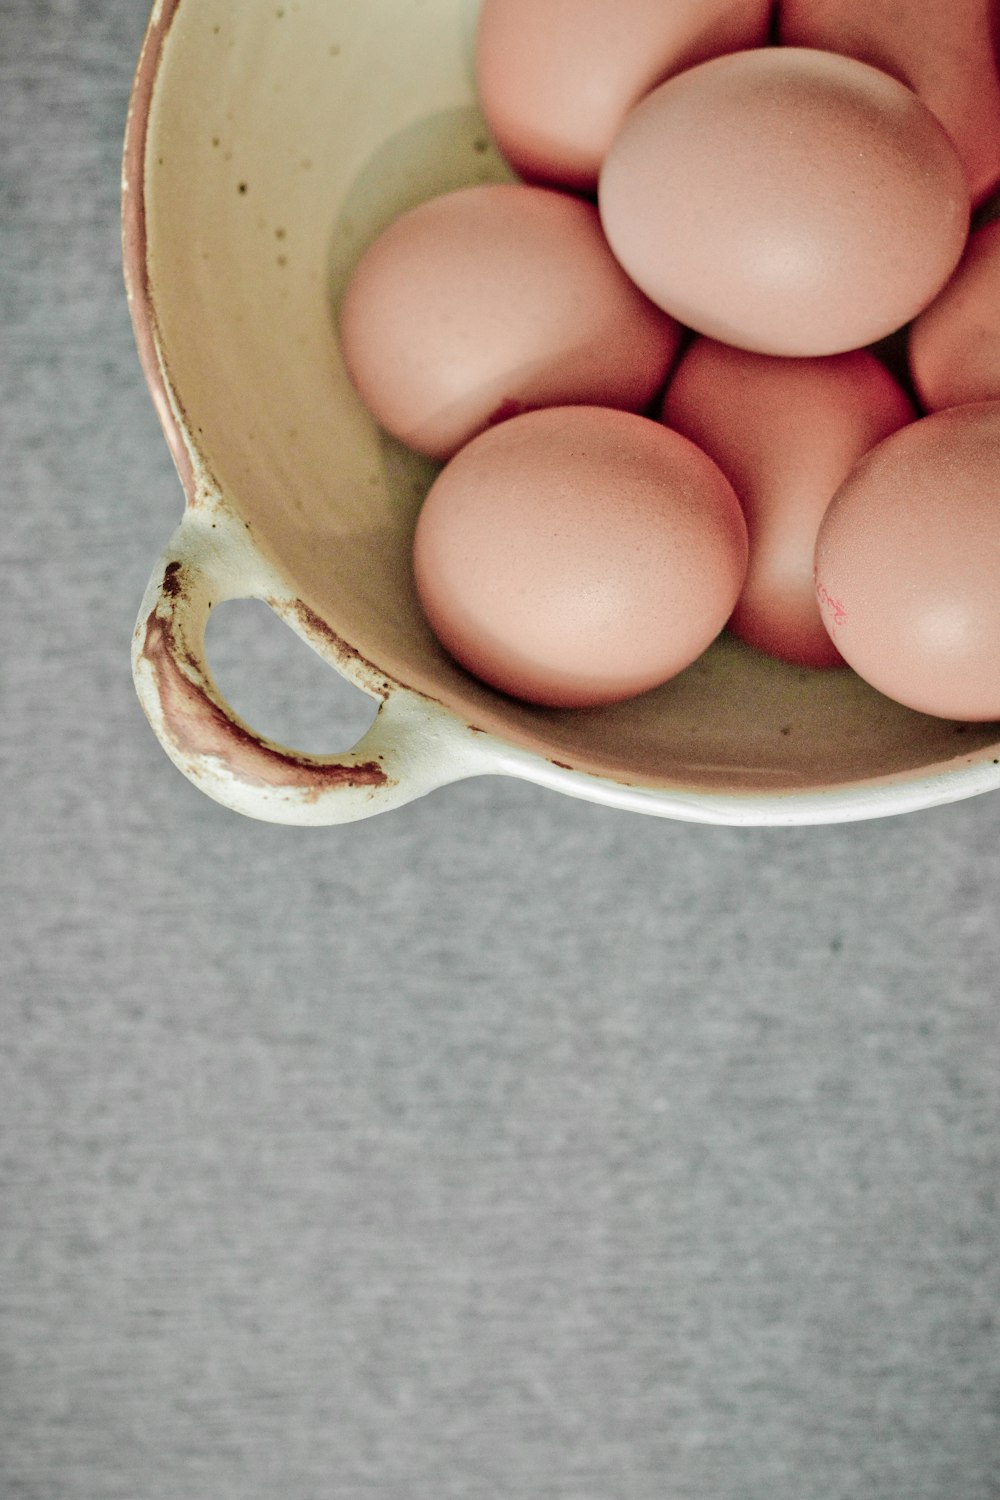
(280, 687)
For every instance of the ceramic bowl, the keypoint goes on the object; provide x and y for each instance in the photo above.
(268, 142)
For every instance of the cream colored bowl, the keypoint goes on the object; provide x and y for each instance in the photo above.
(268, 141)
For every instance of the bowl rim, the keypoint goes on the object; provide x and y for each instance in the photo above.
(134, 236)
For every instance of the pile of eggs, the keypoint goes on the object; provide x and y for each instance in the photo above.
(646, 365)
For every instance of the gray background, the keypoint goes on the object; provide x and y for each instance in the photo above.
(501, 1146)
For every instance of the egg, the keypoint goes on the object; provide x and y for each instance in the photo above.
(908, 565)
(786, 433)
(954, 345)
(785, 200)
(578, 555)
(942, 49)
(557, 77)
(491, 300)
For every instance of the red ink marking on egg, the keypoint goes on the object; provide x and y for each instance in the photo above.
(834, 606)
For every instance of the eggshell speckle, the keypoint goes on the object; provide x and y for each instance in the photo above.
(491, 300)
(786, 433)
(786, 200)
(954, 345)
(908, 565)
(578, 555)
(557, 77)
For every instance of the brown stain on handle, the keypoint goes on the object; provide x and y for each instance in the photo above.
(313, 626)
(316, 627)
(172, 585)
(199, 726)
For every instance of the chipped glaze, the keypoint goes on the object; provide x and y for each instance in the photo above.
(259, 160)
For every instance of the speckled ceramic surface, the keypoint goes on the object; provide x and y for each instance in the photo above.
(267, 144)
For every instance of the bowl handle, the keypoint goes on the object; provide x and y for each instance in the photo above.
(413, 746)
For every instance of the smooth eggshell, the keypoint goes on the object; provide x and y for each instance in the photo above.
(578, 555)
(908, 565)
(954, 346)
(942, 49)
(786, 433)
(786, 200)
(557, 77)
(492, 300)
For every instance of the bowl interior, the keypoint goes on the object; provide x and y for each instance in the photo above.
(283, 135)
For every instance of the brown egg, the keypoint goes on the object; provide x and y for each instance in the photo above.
(786, 433)
(786, 201)
(490, 301)
(556, 78)
(954, 345)
(908, 565)
(578, 555)
(942, 49)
